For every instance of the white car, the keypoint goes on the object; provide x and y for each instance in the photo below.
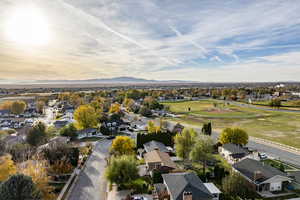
(263, 156)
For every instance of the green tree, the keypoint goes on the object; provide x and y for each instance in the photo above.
(184, 143)
(122, 145)
(234, 135)
(69, 131)
(122, 171)
(86, 117)
(202, 150)
(145, 111)
(18, 107)
(37, 135)
(275, 103)
(206, 129)
(235, 186)
(19, 187)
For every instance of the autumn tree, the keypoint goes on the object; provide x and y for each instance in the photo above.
(18, 107)
(234, 135)
(37, 135)
(202, 150)
(115, 108)
(86, 117)
(7, 167)
(152, 128)
(122, 145)
(37, 170)
(184, 143)
(40, 105)
(6, 105)
(275, 103)
(19, 187)
(122, 171)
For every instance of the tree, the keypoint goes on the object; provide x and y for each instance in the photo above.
(202, 150)
(69, 131)
(130, 105)
(19, 187)
(145, 111)
(61, 152)
(234, 135)
(152, 128)
(37, 135)
(115, 108)
(7, 167)
(37, 170)
(18, 107)
(122, 145)
(235, 186)
(122, 171)
(40, 105)
(152, 103)
(184, 143)
(2, 147)
(206, 129)
(20, 152)
(86, 117)
(275, 103)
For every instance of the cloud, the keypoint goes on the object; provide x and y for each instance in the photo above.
(158, 40)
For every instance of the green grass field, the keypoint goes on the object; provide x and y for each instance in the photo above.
(277, 126)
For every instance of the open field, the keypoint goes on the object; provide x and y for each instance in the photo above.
(282, 127)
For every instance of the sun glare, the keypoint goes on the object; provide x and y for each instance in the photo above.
(27, 26)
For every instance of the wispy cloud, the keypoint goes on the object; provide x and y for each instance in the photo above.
(159, 39)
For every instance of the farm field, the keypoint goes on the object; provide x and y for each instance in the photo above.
(282, 127)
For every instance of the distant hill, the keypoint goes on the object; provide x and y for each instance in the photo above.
(123, 79)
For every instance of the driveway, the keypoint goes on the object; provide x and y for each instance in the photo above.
(91, 183)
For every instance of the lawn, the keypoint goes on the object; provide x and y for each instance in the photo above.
(277, 126)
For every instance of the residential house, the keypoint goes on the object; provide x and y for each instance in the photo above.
(159, 160)
(184, 186)
(154, 145)
(58, 140)
(232, 152)
(262, 177)
(213, 190)
(89, 132)
(60, 123)
(4, 113)
(174, 128)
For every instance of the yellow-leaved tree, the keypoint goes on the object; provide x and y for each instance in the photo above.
(37, 170)
(115, 108)
(122, 145)
(7, 167)
(86, 117)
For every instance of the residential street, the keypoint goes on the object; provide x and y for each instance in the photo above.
(91, 184)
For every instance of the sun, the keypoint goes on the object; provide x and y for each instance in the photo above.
(27, 26)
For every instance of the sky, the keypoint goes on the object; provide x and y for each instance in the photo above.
(197, 40)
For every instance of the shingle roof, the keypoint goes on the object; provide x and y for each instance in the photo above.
(178, 183)
(159, 157)
(154, 145)
(235, 149)
(248, 167)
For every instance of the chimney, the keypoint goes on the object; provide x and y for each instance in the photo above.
(187, 196)
(257, 175)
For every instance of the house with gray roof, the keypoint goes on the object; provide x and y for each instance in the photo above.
(154, 145)
(183, 186)
(263, 177)
(232, 152)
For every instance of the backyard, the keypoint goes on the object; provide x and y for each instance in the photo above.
(277, 126)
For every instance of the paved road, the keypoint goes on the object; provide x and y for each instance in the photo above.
(91, 184)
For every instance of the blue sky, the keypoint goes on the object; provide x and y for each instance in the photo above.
(199, 40)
